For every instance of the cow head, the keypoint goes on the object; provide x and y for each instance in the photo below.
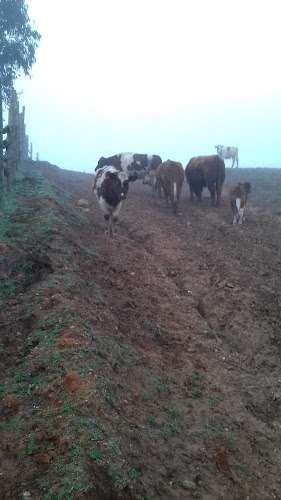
(149, 178)
(219, 149)
(119, 183)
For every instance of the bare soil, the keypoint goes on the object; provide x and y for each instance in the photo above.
(146, 366)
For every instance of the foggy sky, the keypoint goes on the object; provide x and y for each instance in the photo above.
(168, 78)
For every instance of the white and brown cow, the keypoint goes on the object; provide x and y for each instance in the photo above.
(238, 198)
(205, 171)
(131, 162)
(170, 176)
(111, 187)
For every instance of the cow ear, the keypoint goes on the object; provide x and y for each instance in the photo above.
(133, 178)
(111, 175)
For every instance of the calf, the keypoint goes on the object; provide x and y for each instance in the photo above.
(170, 176)
(205, 171)
(111, 187)
(238, 198)
(131, 162)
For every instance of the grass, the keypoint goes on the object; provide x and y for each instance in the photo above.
(199, 385)
(154, 380)
(96, 455)
(129, 303)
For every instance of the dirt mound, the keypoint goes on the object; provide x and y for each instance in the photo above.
(142, 367)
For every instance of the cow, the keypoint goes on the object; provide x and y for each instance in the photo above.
(170, 176)
(225, 153)
(111, 187)
(131, 162)
(238, 198)
(150, 179)
(205, 171)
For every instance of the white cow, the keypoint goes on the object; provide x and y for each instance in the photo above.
(225, 153)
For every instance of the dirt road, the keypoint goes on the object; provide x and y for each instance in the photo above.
(198, 302)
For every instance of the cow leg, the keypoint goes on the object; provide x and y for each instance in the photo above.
(241, 212)
(212, 190)
(172, 194)
(167, 196)
(113, 225)
(236, 162)
(114, 219)
(106, 218)
(199, 196)
(218, 189)
(175, 207)
(234, 211)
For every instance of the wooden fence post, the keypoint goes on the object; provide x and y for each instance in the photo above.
(21, 135)
(2, 198)
(25, 144)
(12, 155)
(16, 144)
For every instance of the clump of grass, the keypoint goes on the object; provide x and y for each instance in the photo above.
(129, 303)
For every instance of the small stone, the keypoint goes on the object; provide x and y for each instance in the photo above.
(189, 485)
(229, 284)
(83, 203)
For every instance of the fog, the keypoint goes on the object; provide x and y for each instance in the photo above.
(168, 78)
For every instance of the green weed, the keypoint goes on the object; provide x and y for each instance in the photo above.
(113, 445)
(213, 399)
(3, 388)
(152, 420)
(12, 426)
(129, 303)
(135, 475)
(173, 413)
(174, 430)
(77, 451)
(143, 396)
(67, 407)
(96, 455)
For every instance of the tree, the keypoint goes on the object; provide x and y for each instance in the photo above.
(18, 43)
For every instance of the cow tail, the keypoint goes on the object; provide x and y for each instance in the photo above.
(238, 204)
(175, 190)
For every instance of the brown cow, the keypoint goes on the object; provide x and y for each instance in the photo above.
(238, 198)
(205, 171)
(170, 177)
